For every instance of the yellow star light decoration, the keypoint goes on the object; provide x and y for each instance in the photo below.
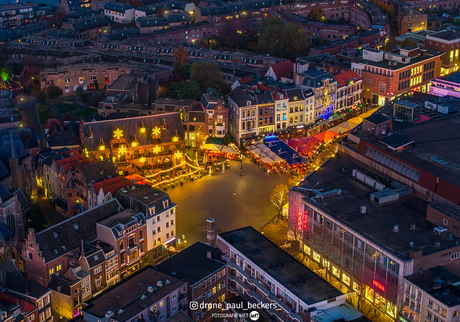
(102, 147)
(156, 131)
(156, 149)
(122, 149)
(142, 130)
(175, 139)
(142, 160)
(134, 144)
(114, 159)
(118, 134)
(178, 154)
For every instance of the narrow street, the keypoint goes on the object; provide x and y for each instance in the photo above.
(30, 115)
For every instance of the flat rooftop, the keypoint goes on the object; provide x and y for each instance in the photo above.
(281, 266)
(192, 264)
(448, 34)
(124, 299)
(379, 220)
(413, 60)
(438, 282)
(434, 141)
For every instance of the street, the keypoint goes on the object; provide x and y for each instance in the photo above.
(30, 115)
(234, 201)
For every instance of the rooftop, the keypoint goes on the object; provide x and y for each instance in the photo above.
(281, 266)
(377, 224)
(439, 283)
(449, 34)
(193, 264)
(131, 296)
(143, 196)
(432, 149)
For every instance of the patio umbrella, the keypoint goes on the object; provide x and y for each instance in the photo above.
(311, 140)
(326, 136)
(294, 143)
(305, 150)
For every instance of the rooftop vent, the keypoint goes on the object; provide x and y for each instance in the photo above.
(440, 229)
(159, 283)
(167, 282)
(396, 228)
(120, 311)
(109, 314)
(150, 289)
(143, 297)
(411, 244)
(362, 209)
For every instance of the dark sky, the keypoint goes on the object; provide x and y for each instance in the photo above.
(52, 2)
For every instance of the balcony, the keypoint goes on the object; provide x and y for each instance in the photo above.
(250, 280)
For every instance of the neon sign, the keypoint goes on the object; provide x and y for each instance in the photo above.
(302, 223)
(379, 285)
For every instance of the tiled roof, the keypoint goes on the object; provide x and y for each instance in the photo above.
(283, 69)
(119, 7)
(144, 197)
(240, 97)
(169, 123)
(110, 182)
(18, 284)
(97, 171)
(60, 285)
(64, 138)
(66, 236)
(26, 306)
(345, 77)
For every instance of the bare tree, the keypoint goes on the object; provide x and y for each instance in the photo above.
(279, 197)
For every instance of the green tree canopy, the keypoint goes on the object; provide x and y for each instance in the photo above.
(317, 14)
(208, 75)
(283, 40)
(54, 92)
(407, 43)
(186, 89)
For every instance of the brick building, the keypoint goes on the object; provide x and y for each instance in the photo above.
(216, 115)
(448, 42)
(202, 267)
(126, 233)
(56, 249)
(369, 245)
(387, 76)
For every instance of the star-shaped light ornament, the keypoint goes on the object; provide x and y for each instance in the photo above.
(122, 149)
(118, 134)
(156, 149)
(156, 131)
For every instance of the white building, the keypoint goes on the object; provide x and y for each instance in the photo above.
(295, 292)
(160, 214)
(118, 12)
(431, 295)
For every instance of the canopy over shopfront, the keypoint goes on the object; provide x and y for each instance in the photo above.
(265, 155)
(326, 136)
(359, 119)
(343, 127)
(219, 148)
(284, 151)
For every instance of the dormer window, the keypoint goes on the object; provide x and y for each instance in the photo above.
(165, 203)
(248, 103)
(152, 211)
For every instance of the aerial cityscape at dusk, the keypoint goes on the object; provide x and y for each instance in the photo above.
(229, 160)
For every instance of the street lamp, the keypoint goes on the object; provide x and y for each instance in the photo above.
(241, 169)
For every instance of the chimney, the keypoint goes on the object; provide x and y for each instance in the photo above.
(82, 248)
(210, 232)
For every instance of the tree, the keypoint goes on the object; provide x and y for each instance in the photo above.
(279, 197)
(54, 92)
(36, 218)
(96, 98)
(207, 74)
(186, 89)
(317, 14)
(180, 59)
(59, 15)
(41, 97)
(96, 85)
(80, 92)
(283, 40)
(407, 43)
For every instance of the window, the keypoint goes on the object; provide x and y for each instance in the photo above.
(316, 256)
(99, 281)
(122, 245)
(214, 290)
(58, 268)
(48, 313)
(161, 304)
(51, 271)
(98, 269)
(46, 300)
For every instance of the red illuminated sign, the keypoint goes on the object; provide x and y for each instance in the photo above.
(302, 223)
(379, 285)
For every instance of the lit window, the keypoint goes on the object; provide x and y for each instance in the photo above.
(316, 256)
